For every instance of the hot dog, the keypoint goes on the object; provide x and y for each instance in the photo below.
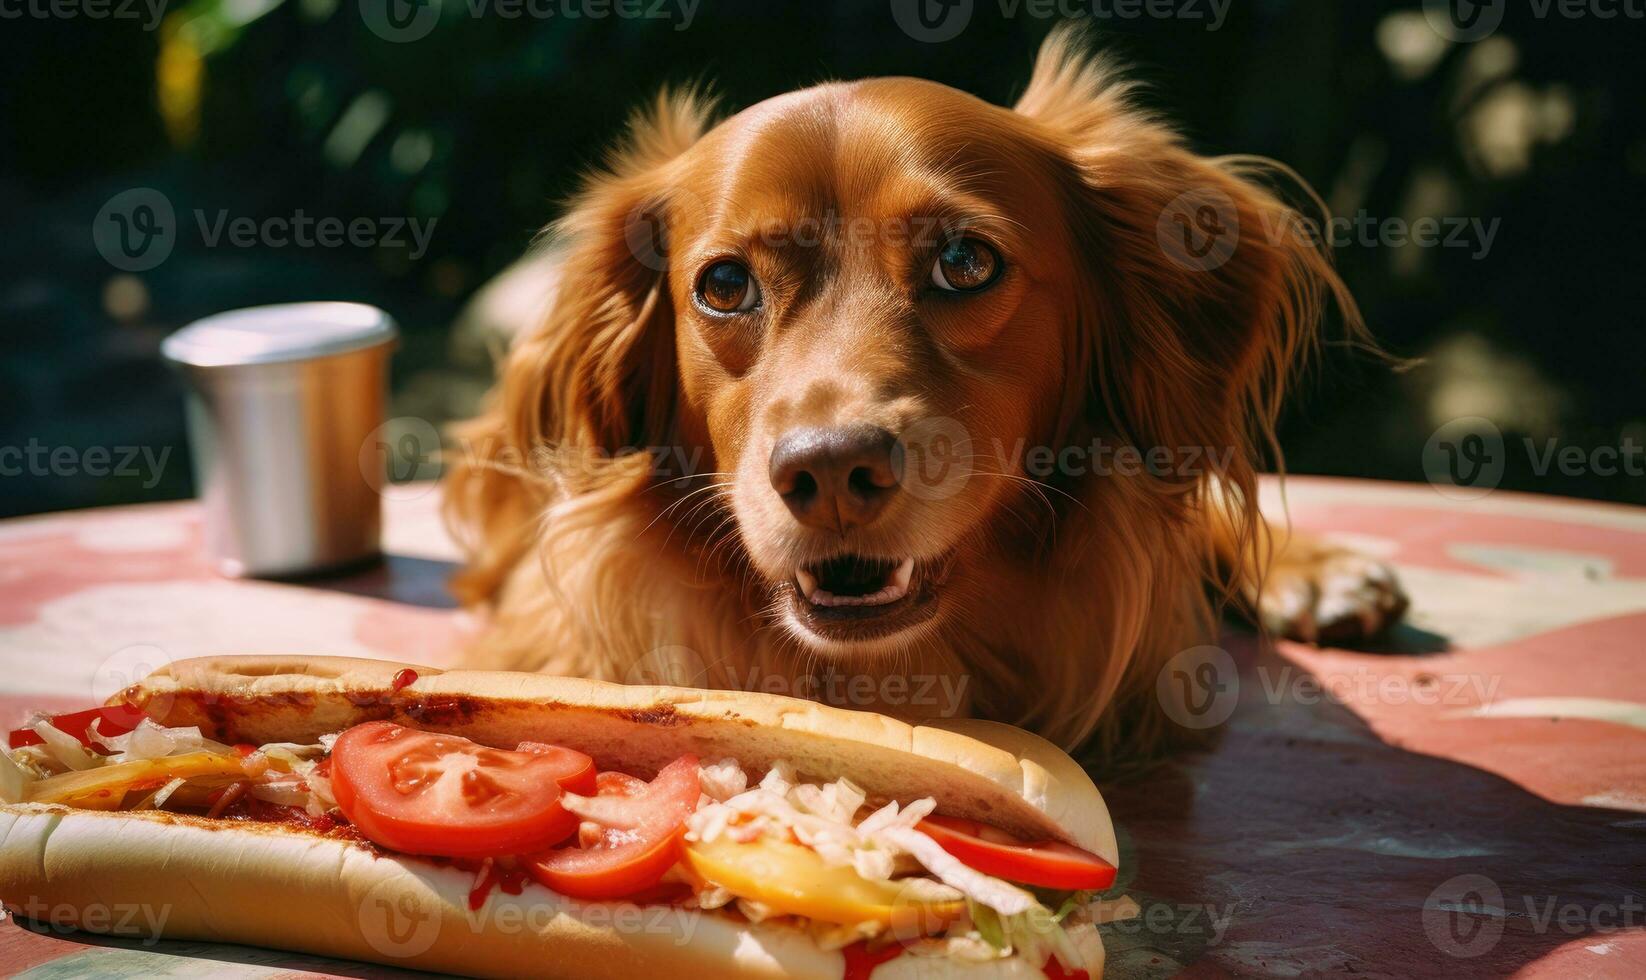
(502, 824)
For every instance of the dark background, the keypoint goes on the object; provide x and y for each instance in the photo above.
(263, 108)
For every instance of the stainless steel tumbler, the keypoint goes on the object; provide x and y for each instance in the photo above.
(285, 405)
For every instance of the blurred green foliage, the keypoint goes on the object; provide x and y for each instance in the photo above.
(275, 107)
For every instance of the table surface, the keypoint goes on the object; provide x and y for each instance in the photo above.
(1469, 800)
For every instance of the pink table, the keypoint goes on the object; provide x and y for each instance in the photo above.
(1470, 801)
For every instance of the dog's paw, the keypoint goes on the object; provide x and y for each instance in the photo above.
(1334, 597)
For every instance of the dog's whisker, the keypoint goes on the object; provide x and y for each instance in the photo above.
(677, 503)
(688, 476)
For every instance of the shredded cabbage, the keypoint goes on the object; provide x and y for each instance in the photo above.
(820, 817)
(157, 799)
(13, 779)
(151, 741)
(321, 799)
(285, 792)
(1007, 899)
(305, 787)
(65, 748)
(722, 780)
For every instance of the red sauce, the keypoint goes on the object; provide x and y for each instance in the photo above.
(662, 893)
(251, 808)
(1054, 971)
(484, 881)
(487, 875)
(861, 961)
(245, 749)
(406, 678)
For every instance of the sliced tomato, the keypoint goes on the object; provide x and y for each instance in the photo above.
(625, 863)
(580, 772)
(444, 795)
(1050, 864)
(1055, 970)
(861, 960)
(111, 721)
(609, 783)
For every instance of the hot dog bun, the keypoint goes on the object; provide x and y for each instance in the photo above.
(284, 887)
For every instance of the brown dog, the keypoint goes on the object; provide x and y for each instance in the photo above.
(876, 380)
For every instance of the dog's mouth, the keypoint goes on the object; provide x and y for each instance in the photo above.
(856, 598)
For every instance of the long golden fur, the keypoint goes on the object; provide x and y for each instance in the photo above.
(614, 498)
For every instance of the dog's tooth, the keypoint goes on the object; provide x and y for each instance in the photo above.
(807, 582)
(902, 576)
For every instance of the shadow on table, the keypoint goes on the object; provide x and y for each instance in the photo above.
(1302, 844)
(1404, 639)
(396, 578)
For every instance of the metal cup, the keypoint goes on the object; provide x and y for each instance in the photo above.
(283, 399)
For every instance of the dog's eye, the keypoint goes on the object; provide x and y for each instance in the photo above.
(728, 287)
(965, 265)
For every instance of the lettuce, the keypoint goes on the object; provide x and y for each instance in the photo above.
(1035, 934)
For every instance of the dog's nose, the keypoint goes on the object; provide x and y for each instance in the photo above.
(835, 479)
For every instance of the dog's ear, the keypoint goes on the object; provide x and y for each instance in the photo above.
(1204, 291)
(599, 372)
(592, 385)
